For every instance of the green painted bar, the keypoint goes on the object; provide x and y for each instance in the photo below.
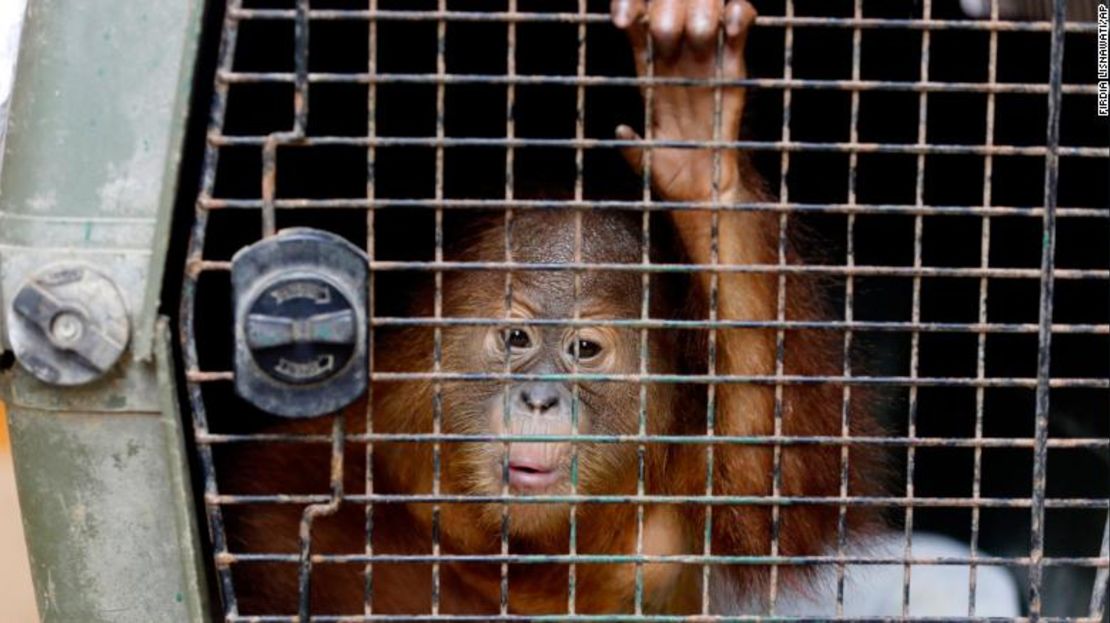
(90, 175)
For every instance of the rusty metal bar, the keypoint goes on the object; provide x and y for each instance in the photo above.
(780, 316)
(371, 253)
(981, 341)
(510, 201)
(923, 442)
(849, 316)
(646, 201)
(915, 309)
(269, 228)
(294, 136)
(1044, 338)
(717, 500)
(618, 81)
(658, 618)
(437, 302)
(187, 323)
(597, 143)
(835, 325)
(603, 18)
(893, 381)
(689, 559)
(576, 400)
(305, 559)
(714, 310)
(814, 269)
(656, 205)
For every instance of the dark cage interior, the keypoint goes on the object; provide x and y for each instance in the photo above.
(905, 142)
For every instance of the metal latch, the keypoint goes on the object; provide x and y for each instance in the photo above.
(300, 302)
(68, 324)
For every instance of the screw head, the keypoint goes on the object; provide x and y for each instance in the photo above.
(66, 328)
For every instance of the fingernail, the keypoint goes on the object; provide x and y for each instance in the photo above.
(621, 12)
(700, 24)
(734, 18)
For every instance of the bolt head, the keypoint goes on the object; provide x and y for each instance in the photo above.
(66, 328)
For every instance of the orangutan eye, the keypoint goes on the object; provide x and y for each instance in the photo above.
(517, 339)
(587, 349)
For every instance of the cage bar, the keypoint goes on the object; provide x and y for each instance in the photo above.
(779, 88)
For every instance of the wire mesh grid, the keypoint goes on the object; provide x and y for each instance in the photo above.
(352, 62)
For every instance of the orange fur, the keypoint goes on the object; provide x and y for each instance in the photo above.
(746, 239)
(399, 468)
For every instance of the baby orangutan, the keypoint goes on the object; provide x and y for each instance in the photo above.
(555, 325)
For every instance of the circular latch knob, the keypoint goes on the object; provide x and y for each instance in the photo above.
(68, 324)
(301, 330)
(300, 301)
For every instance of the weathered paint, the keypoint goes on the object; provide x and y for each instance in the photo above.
(90, 173)
(94, 143)
(105, 497)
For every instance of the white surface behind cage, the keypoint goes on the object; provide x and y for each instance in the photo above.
(11, 20)
(1078, 10)
(936, 590)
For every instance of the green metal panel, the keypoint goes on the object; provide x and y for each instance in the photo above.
(90, 171)
(94, 141)
(105, 496)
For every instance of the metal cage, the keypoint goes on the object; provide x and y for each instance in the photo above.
(953, 167)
